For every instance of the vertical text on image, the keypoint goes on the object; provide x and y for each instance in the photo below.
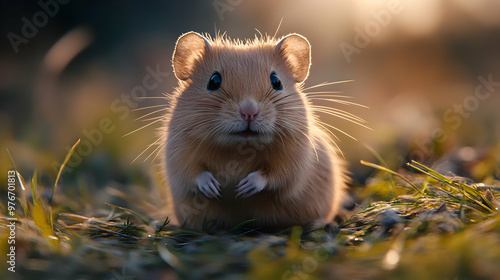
(11, 209)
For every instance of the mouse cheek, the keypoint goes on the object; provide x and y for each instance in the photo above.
(265, 125)
(271, 116)
(266, 122)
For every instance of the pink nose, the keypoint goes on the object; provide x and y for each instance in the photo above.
(249, 111)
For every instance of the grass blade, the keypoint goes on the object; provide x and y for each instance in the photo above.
(241, 224)
(165, 223)
(20, 179)
(68, 156)
(470, 194)
(382, 161)
(23, 200)
(376, 166)
(34, 188)
(130, 212)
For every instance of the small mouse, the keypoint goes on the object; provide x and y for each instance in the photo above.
(240, 139)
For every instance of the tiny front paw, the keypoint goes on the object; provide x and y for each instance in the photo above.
(208, 185)
(252, 184)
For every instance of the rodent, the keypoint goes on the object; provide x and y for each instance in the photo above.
(240, 139)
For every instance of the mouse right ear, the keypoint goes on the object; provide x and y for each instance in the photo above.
(296, 50)
(188, 49)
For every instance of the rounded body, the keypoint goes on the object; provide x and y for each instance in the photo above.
(240, 139)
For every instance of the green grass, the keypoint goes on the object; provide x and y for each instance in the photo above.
(409, 224)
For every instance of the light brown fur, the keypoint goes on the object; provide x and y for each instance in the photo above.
(304, 180)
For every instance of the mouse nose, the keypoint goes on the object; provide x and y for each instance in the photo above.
(249, 110)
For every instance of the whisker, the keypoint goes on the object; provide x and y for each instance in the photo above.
(259, 33)
(158, 153)
(340, 102)
(159, 147)
(277, 29)
(219, 130)
(327, 84)
(347, 119)
(147, 148)
(288, 127)
(282, 104)
(290, 108)
(225, 93)
(322, 94)
(152, 97)
(154, 118)
(212, 133)
(144, 126)
(329, 93)
(312, 143)
(323, 124)
(148, 114)
(202, 113)
(215, 107)
(269, 92)
(286, 96)
(148, 107)
(219, 98)
(280, 133)
(339, 115)
(171, 138)
(334, 143)
(340, 112)
(344, 118)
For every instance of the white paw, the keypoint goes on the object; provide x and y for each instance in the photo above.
(208, 185)
(251, 185)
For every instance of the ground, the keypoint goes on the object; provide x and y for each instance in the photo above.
(413, 223)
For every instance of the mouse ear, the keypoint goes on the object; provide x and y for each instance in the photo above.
(296, 50)
(188, 48)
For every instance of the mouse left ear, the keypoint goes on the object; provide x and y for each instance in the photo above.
(189, 47)
(297, 51)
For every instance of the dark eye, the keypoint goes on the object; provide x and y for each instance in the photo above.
(276, 82)
(214, 82)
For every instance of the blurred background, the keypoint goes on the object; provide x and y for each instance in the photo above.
(428, 70)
